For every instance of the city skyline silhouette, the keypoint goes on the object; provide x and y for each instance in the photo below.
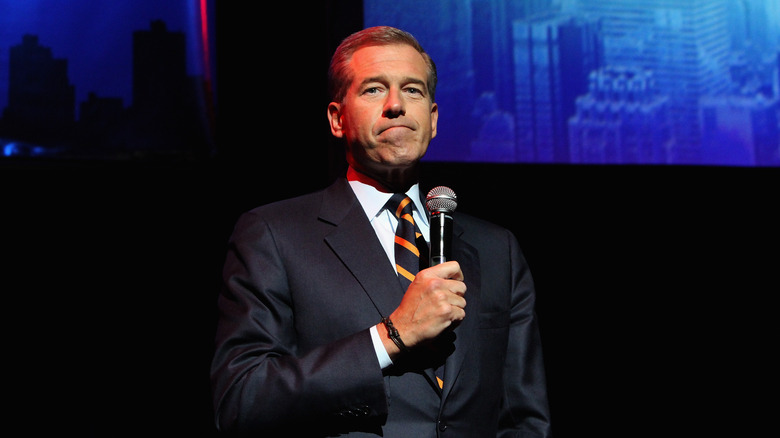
(169, 110)
(96, 37)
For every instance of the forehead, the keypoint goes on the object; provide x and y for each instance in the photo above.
(388, 60)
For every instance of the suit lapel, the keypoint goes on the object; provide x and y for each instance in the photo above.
(355, 242)
(467, 257)
(465, 332)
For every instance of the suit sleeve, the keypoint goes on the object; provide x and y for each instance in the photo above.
(260, 379)
(525, 409)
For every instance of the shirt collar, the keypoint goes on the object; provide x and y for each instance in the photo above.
(373, 200)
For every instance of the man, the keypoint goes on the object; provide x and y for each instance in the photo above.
(317, 335)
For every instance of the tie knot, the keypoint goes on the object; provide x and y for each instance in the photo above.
(400, 205)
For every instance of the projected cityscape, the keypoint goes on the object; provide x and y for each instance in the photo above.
(688, 82)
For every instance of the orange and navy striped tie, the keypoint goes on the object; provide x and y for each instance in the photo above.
(407, 256)
(407, 253)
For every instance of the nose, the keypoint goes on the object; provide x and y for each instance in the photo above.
(394, 105)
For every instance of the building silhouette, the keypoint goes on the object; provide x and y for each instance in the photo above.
(492, 27)
(553, 56)
(41, 99)
(102, 126)
(165, 112)
(622, 120)
(495, 141)
(741, 130)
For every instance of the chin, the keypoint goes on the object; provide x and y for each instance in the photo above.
(406, 156)
(403, 163)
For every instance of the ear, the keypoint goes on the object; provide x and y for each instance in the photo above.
(434, 118)
(334, 118)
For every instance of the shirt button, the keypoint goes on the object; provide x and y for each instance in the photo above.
(442, 426)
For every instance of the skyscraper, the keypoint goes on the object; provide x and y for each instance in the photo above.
(741, 130)
(166, 115)
(553, 55)
(41, 99)
(622, 119)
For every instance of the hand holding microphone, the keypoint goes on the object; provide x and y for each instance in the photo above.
(434, 300)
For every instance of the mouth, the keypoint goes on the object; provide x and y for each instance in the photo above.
(384, 129)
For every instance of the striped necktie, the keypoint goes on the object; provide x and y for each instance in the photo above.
(407, 253)
(407, 256)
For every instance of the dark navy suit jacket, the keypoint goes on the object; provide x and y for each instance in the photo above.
(305, 279)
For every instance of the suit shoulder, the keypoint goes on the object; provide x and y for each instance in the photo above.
(304, 207)
(470, 222)
(280, 218)
(481, 232)
(289, 206)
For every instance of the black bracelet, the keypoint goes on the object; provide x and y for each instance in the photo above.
(393, 333)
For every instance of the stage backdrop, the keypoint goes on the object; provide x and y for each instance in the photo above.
(116, 79)
(660, 82)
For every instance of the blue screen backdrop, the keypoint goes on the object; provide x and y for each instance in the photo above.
(119, 79)
(658, 82)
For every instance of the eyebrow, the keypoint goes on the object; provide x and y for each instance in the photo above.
(405, 80)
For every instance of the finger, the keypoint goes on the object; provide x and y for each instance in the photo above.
(457, 301)
(449, 270)
(455, 291)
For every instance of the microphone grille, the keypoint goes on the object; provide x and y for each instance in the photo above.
(441, 199)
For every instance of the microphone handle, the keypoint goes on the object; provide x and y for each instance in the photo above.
(441, 238)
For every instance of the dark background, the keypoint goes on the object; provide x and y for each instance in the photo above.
(654, 283)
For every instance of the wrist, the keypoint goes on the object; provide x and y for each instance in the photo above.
(393, 335)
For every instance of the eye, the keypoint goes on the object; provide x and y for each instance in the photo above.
(372, 91)
(415, 91)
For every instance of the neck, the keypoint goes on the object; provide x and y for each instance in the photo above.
(391, 182)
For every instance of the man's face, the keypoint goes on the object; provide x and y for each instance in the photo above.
(387, 117)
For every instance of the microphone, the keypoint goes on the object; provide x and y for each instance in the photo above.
(441, 202)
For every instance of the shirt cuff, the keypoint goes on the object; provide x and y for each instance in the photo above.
(379, 349)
